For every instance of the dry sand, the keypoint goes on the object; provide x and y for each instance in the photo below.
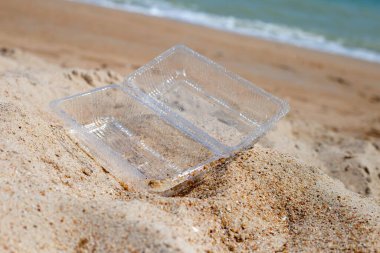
(312, 184)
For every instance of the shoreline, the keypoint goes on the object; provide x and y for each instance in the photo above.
(162, 21)
(203, 19)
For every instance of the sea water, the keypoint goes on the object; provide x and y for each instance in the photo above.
(347, 27)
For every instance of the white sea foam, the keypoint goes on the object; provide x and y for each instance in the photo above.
(256, 28)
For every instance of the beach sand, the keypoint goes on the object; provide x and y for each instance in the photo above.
(311, 184)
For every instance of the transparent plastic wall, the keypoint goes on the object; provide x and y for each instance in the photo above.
(169, 118)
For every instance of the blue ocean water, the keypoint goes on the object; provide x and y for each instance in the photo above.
(348, 27)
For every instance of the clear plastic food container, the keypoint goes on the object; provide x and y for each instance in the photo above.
(181, 111)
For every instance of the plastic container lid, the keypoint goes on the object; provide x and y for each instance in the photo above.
(181, 111)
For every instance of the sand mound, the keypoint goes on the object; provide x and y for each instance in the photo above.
(354, 161)
(54, 197)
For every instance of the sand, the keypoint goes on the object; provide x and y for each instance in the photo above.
(311, 184)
